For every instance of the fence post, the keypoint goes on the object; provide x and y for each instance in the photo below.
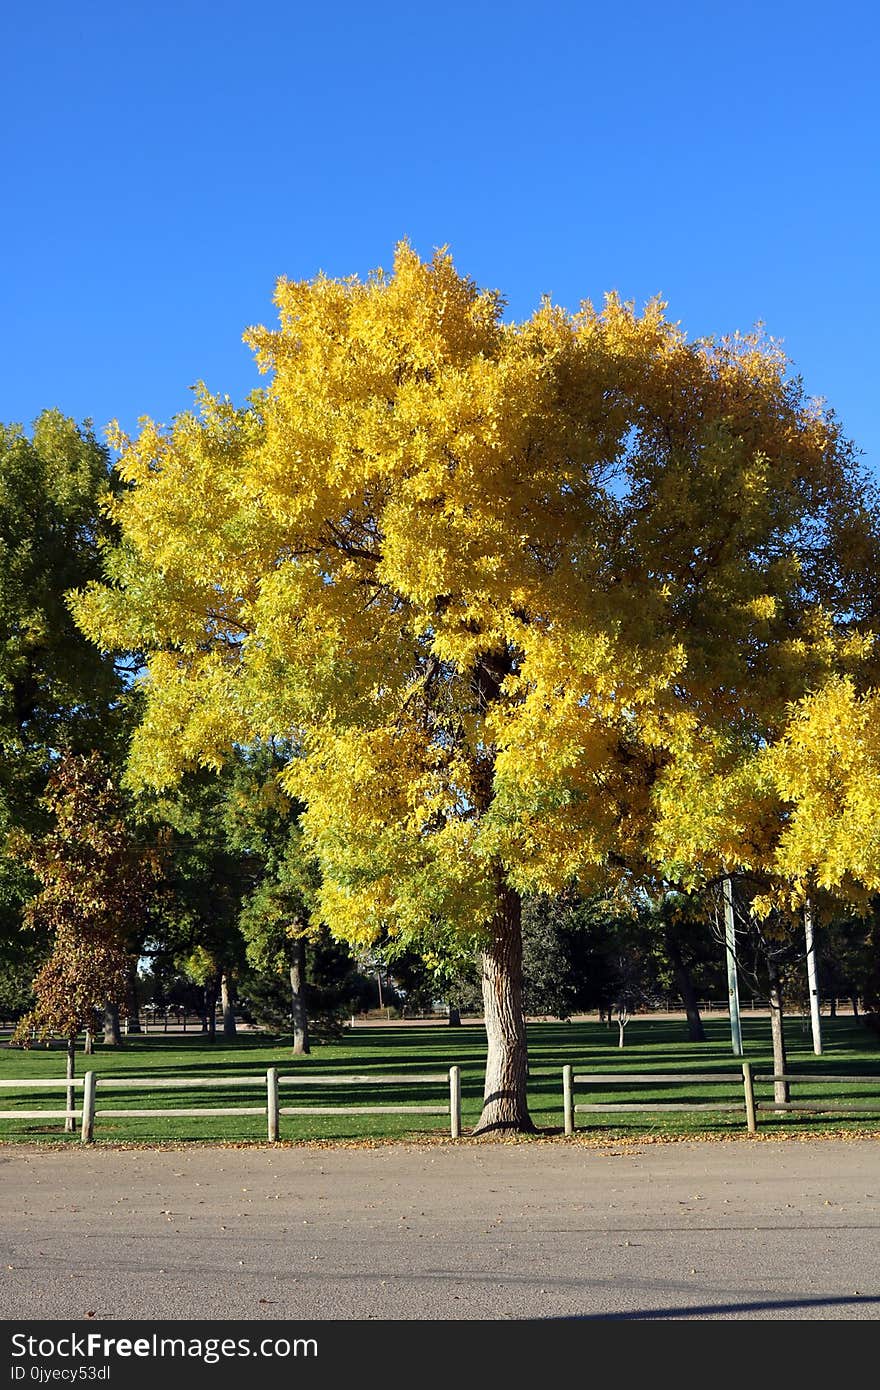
(455, 1102)
(272, 1103)
(567, 1107)
(749, 1089)
(88, 1110)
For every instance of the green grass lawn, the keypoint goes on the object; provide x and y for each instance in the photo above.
(651, 1045)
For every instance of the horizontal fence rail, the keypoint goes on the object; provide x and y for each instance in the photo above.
(34, 1081)
(750, 1105)
(845, 1106)
(270, 1083)
(68, 1084)
(743, 1078)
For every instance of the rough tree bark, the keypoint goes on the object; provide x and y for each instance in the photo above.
(777, 1030)
(505, 1104)
(227, 1000)
(298, 1002)
(454, 1016)
(112, 1031)
(685, 986)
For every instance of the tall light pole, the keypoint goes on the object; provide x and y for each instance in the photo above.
(732, 982)
(812, 978)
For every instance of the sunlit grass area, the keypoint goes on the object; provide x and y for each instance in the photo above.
(652, 1045)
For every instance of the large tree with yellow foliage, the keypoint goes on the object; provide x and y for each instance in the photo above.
(509, 588)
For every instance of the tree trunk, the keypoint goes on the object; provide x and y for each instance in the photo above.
(620, 1026)
(454, 1016)
(227, 999)
(685, 986)
(112, 1032)
(210, 1005)
(89, 1044)
(132, 1003)
(505, 1104)
(854, 1000)
(71, 1093)
(298, 1000)
(832, 1006)
(777, 1029)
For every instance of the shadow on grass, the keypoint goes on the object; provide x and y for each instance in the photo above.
(651, 1045)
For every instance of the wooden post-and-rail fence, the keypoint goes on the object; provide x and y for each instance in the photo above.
(274, 1110)
(748, 1105)
(271, 1083)
(623, 1079)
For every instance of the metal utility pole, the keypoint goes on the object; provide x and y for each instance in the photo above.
(732, 982)
(812, 978)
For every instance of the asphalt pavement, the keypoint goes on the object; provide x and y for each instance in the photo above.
(746, 1228)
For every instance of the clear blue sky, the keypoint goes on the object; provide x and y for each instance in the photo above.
(164, 162)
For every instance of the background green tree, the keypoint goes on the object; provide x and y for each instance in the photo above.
(58, 692)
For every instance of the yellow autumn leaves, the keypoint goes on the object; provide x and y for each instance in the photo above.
(826, 767)
(563, 597)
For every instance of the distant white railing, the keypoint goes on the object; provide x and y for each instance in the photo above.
(89, 1111)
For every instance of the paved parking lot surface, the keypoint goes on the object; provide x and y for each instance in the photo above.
(739, 1229)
